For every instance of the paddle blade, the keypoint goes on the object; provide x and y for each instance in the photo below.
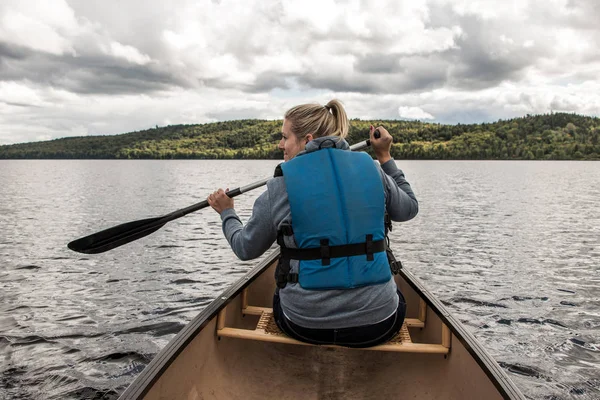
(116, 236)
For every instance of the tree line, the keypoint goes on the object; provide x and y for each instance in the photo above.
(554, 136)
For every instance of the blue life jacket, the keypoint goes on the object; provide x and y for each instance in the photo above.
(337, 203)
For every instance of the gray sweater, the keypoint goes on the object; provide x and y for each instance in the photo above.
(321, 309)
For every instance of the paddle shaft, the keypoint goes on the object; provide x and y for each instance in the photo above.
(243, 189)
(128, 232)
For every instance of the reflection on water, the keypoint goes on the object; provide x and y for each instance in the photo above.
(510, 247)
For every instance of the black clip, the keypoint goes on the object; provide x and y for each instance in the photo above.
(281, 272)
(285, 230)
(395, 265)
(387, 222)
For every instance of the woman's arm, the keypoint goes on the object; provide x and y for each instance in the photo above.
(400, 201)
(253, 239)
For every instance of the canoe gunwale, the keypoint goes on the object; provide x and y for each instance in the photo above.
(154, 370)
(488, 364)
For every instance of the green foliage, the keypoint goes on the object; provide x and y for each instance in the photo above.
(558, 136)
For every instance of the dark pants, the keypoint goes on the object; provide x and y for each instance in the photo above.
(360, 336)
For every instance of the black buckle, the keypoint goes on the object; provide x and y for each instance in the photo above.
(387, 221)
(285, 230)
(281, 272)
(325, 253)
(395, 265)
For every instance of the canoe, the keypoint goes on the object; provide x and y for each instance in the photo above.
(233, 350)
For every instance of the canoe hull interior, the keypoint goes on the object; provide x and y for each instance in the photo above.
(213, 367)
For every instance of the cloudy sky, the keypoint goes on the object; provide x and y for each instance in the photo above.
(79, 67)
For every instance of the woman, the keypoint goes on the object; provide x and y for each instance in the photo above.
(325, 207)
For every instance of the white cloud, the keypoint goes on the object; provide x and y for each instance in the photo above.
(128, 53)
(304, 12)
(40, 25)
(490, 9)
(18, 94)
(413, 113)
(77, 67)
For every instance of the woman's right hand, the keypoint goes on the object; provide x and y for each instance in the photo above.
(219, 200)
(382, 145)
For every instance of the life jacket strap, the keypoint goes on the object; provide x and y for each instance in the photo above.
(285, 230)
(326, 252)
(283, 275)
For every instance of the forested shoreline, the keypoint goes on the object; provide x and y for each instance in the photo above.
(554, 136)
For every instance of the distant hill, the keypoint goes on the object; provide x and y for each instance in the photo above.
(556, 136)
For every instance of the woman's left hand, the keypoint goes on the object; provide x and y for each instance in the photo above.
(382, 145)
(219, 201)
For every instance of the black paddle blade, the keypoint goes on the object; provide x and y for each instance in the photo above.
(116, 236)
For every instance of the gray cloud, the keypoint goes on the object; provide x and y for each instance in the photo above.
(396, 74)
(481, 59)
(458, 61)
(83, 74)
(268, 81)
(17, 104)
(585, 14)
(336, 83)
(478, 59)
(379, 64)
(8, 51)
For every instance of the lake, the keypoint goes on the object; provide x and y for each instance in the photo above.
(512, 248)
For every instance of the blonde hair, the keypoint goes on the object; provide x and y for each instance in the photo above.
(328, 120)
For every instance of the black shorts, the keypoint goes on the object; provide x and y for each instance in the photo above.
(360, 336)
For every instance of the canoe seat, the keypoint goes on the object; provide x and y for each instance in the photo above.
(266, 330)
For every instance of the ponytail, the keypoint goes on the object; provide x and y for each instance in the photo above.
(328, 120)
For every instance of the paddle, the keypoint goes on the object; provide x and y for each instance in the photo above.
(119, 235)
